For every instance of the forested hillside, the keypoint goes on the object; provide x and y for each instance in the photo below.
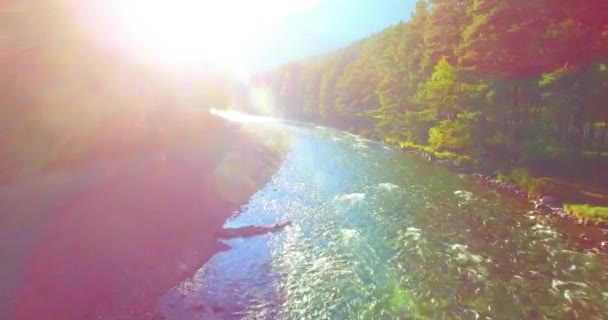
(520, 81)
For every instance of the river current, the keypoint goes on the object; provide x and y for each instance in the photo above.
(379, 234)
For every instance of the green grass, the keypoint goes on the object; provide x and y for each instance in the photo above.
(441, 155)
(589, 203)
(587, 213)
(521, 177)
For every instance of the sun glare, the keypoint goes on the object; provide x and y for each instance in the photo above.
(191, 32)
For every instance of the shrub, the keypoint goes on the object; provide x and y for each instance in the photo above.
(523, 180)
(587, 213)
(455, 135)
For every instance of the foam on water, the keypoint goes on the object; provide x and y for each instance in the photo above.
(349, 234)
(463, 254)
(467, 196)
(413, 233)
(386, 186)
(556, 284)
(384, 235)
(360, 145)
(352, 197)
(545, 230)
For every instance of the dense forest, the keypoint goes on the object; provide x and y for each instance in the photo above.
(519, 81)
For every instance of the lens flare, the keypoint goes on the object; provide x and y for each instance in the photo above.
(187, 33)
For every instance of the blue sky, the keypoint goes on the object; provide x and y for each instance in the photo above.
(329, 25)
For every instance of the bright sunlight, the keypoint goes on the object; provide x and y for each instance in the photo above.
(191, 32)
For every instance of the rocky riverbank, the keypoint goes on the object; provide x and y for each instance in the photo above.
(589, 235)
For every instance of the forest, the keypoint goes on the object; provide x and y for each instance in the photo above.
(522, 80)
(522, 85)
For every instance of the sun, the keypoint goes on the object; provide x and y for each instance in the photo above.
(190, 32)
(178, 32)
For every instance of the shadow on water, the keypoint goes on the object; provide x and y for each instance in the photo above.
(250, 231)
(377, 234)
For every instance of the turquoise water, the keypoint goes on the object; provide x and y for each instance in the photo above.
(378, 234)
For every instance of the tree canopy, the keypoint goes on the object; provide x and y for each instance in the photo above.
(488, 76)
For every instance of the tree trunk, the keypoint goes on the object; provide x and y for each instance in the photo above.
(591, 138)
(579, 133)
(604, 136)
(516, 107)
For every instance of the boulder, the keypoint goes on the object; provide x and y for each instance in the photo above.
(585, 238)
(541, 207)
(551, 202)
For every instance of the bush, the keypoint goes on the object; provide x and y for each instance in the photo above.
(455, 135)
(523, 180)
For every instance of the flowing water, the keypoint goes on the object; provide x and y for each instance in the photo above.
(379, 234)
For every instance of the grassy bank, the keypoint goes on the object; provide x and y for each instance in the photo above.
(580, 183)
(587, 213)
(436, 154)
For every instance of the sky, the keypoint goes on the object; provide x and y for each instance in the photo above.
(329, 25)
(243, 36)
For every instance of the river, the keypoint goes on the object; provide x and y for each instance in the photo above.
(379, 234)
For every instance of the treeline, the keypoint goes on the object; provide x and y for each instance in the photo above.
(518, 80)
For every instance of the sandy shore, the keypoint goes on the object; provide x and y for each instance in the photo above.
(104, 241)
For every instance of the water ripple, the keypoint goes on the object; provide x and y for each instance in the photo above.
(377, 234)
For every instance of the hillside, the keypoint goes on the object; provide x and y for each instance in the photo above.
(519, 87)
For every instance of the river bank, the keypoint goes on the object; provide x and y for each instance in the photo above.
(378, 232)
(104, 240)
(592, 233)
(550, 195)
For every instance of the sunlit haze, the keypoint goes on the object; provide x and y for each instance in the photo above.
(303, 159)
(237, 35)
(189, 32)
